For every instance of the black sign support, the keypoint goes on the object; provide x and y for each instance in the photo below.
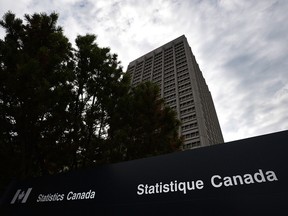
(245, 177)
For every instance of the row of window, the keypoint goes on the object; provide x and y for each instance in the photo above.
(183, 81)
(137, 76)
(185, 91)
(171, 68)
(170, 79)
(191, 135)
(173, 107)
(158, 55)
(148, 64)
(182, 70)
(186, 97)
(188, 118)
(168, 52)
(157, 80)
(182, 61)
(170, 103)
(169, 76)
(168, 97)
(179, 47)
(170, 83)
(185, 85)
(180, 66)
(157, 69)
(183, 76)
(145, 79)
(169, 58)
(157, 66)
(147, 70)
(179, 55)
(139, 66)
(167, 73)
(179, 52)
(182, 105)
(157, 76)
(188, 110)
(187, 103)
(167, 82)
(171, 64)
(180, 44)
(169, 86)
(168, 63)
(191, 145)
(138, 71)
(189, 126)
(168, 49)
(146, 76)
(166, 92)
(158, 61)
(157, 72)
(147, 73)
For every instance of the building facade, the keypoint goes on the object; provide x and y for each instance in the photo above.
(174, 68)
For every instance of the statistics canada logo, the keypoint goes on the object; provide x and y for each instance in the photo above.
(21, 196)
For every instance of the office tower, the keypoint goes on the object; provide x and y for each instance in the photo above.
(174, 68)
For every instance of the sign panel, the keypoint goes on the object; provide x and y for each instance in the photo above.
(245, 177)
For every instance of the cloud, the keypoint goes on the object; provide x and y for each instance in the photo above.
(240, 46)
(242, 53)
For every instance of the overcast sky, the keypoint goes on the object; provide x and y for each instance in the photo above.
(241, 47)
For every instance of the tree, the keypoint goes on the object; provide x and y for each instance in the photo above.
(98, 85)
(35, 89)
(64, 108)
(142, 125)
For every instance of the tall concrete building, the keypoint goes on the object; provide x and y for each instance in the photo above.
(174, 68)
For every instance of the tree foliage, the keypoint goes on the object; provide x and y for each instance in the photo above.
(142, 126)
(35, 90)
(63, 108)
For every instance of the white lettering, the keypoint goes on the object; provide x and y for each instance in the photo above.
(50, 197)
(140, 189)
(81, 195)
(248, 179)
(199, 184)
(173, 186)
(271, 176)
(166, 188)
(182, 187)
(213, 181)
(258, 177)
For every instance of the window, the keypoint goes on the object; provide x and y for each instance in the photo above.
(187, 103)
(191, 135)
(189, 126)
(191, 145)
(187, 110)
(188, 118)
